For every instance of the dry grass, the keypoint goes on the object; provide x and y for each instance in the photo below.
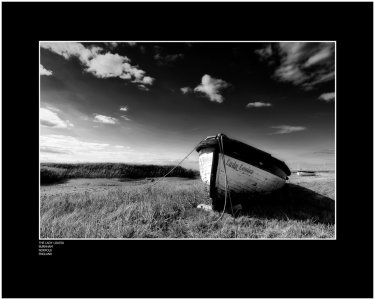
(113, 208)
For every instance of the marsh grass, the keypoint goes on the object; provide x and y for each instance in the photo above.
(168, 210)
(57, 172)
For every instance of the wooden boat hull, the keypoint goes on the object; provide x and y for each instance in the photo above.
(240, 178)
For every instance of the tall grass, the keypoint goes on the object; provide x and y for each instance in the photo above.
(168, 210)
(50, 175)
(54, 172)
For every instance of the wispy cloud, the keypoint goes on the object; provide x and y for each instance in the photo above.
(49, 118)
(186, 90)
(326, 151)
(304, 64)
(328, 97)
(258, 104)
(143, 87)
(68, 148)
(100, 63)
(165, 59)
(285, 129)
(125, 118)
(266, 53)
(49, 149)
(112, 45)
(211, 88)
(105, 119)
(44, 71)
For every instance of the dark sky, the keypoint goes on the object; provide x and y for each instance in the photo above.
(153, 102)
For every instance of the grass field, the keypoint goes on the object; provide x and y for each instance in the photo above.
(143, 208)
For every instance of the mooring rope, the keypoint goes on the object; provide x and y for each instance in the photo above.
(227, 192)
(175, 166)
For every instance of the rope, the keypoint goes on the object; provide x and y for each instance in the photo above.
(227, 192)
(175, 166)
(226, 186)
(226, 182)
(221, 149)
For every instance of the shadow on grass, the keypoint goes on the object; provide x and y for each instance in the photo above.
(53, 182)
(292, 202)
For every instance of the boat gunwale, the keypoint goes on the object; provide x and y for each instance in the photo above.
(241, 153)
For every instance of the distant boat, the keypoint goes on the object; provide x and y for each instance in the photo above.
(306, 173)
(247, 170)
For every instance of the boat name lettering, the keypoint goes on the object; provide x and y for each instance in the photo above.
(238, 167)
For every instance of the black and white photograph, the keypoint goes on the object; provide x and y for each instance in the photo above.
(187, 140)
(187, 149)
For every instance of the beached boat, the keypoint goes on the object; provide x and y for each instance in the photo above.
(229, 165)
(306, 173)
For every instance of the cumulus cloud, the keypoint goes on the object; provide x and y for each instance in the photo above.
(49, 118)
(44, 71)
(99, 63)
(211, 88)
(186, 90)
(328, 97)
(285, 129)
(105, 119)
(258, 104)
(124, 108)
(304, 64)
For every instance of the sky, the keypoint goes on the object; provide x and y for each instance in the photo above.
(152, 103)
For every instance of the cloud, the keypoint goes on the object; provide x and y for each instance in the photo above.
(132, 44)
(105, 119)
(211, 87)
(265, 52)
(143, 87)
(285, 129)
(49, 118)
(48, 149)
(166, 58)
(304, 64)
(68, 148)
(186, 90)
(325, 151)
(44, 71)
(125, 118)
(328, 97)
(107, 65)
(69, 49)
(112, 45)
(258, 104)
(124, 108)
(100, 64)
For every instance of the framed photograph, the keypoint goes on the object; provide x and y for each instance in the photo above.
(187, 150)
